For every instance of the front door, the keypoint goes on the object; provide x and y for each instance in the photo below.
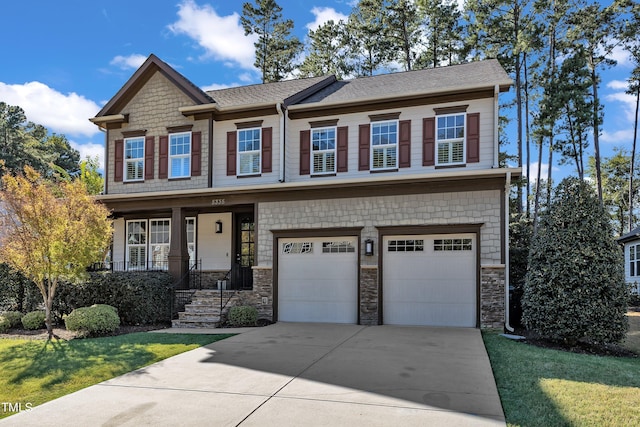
(245, 251)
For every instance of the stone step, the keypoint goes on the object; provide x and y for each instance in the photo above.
(202, 309)
(199, 316)
(194, 324)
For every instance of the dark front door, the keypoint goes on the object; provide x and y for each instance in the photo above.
(245, 251)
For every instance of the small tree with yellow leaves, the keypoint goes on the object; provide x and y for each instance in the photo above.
(51, 231)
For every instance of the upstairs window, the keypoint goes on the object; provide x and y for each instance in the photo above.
(384, 145)
(323, 141)
(450, 139)
(634, 260)
(180, 155)
(134, 159)
(249, 151)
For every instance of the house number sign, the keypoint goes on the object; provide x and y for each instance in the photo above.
(217, 202)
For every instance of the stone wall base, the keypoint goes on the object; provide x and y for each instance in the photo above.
(492, 301)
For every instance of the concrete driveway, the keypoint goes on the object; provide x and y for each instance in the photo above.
(299, 374)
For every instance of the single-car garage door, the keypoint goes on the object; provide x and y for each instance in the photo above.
(430, 280)
(317, 279)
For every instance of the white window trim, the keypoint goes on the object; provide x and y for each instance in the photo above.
(325, 152)
(636, 249)
(192, 247)
(128, 245)
(451, 141)
(180, 156)
(133, 160)
(386, 146)
(251, 153)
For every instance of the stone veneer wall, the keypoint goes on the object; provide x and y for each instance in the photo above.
(368, 295)
(262, 288)
(492, 296)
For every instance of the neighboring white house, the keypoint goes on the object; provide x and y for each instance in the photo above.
(377, 200)
(631, 243)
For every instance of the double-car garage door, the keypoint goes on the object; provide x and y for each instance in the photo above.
(426, 279)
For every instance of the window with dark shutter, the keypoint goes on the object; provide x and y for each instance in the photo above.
(196, 153)
(163, 157)
(305, 152)
(363, 147)
(404, 142)
(473, 138)
(343, 149)
(118, 160)
(231, 153)
(428, 141)
(149, 157)
(267, 150)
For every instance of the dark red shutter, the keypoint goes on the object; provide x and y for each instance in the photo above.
(473, 138)
(404, 144)
(363, 147)
(231, 153)
(429, 141)
(267, 150)
(118, 160)
(196, 153)
(305, 152)
(342, 148)
(149, 153)
(163, 157)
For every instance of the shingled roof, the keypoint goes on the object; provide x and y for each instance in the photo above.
(288, 91)
(473, 75)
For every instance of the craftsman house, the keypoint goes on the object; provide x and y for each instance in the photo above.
(377, 200)
(631, 246)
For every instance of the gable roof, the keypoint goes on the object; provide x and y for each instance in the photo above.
(631, 236)
(453, 78)
(152, 65)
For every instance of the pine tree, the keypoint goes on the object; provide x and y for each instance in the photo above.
(403, 21)
(328, 52)
(443, 33)
(276, 48)
(575, 287)
(369, 37)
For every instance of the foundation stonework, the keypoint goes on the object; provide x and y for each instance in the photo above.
(369, 295)
(492, 296)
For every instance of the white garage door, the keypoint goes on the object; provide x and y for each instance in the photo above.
(317, 280)
(430, 280)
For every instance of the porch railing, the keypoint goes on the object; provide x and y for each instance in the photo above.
(183, 290)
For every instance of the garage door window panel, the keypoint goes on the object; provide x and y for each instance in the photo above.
(297, 248)
(406, 245)
(337, 247)
(452, 245)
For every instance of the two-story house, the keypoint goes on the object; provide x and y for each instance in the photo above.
(377, 200)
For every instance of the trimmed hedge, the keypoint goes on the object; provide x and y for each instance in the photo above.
(33, 320)
(17, 293)
(99, 319)
(14, 318)
(243, 315)
(141, 298)
(5, 325)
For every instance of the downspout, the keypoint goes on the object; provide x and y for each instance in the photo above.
(282, 132)
(496, 129)
(507, 190)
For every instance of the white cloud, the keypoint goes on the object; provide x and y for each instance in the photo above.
(627, 100)
(90, 149)
(216, 86)
(323, 15)
(618, 84)
(60, 113)
(619, 137)
(621, 56)
(222, 37)
(133, 61)
(533, 170)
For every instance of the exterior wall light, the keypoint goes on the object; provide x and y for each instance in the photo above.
(218, 227)
(368, 247)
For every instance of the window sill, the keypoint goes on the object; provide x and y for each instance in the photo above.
(321, 175)
(132, 181)
(383, 170)
(462, 165)
(254, 175)
(180, 178)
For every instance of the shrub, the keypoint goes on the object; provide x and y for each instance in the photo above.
(5, 325)
(99, 319)
(16, 291)
(14, 318)
(575, 287)
(243, 315)
(33, 320)
(141, 298)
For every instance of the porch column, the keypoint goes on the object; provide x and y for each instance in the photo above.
(178, 254)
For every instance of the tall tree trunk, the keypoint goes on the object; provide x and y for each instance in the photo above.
(518, 82)
(596, 128)
(633, 159)
(550, 167)
(536, 207)
(527, 135)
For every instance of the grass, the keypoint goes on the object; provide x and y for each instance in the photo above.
(36, 371)
(544, 387)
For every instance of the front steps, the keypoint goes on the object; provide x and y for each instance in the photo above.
(204, 309)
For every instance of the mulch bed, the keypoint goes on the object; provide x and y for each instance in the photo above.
(41, 334)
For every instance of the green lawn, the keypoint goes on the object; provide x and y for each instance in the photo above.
(36, 371)
(543, 387)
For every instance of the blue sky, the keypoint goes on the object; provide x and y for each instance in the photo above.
(61, 61)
